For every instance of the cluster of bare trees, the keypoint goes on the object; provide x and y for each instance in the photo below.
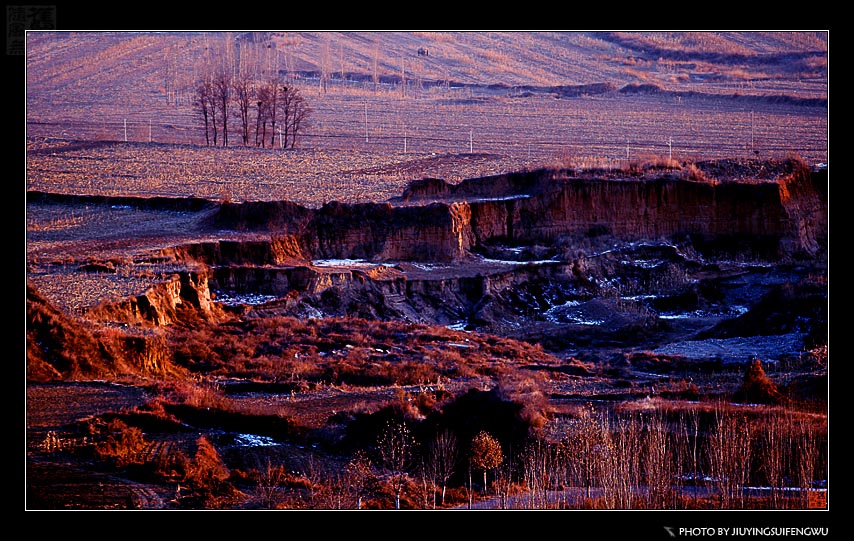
(267, 112)
(631, 460)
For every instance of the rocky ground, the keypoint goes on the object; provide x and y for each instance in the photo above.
(84, 252)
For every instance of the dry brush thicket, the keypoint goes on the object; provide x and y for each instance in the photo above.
(421, 434)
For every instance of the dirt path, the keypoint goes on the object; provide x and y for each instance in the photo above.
(53, 483)
(56, 479)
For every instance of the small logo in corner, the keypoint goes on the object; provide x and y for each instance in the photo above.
(670, 531)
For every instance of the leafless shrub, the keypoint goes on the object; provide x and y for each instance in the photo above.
(396, 447)
(757, 387)
(123, 444)
(691, 172)
(443, 459)
(728, 453)
(269, 479)
(207, 480)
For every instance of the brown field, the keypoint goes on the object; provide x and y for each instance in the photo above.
(257, 413)
(513, 101)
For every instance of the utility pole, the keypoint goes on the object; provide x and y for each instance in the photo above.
(126, 130)
(402, 77)
(670, 147)
(752, 149)
(471, 141)
(149, 130)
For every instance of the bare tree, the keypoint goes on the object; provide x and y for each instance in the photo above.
(295, 115)
(273, 92)
(396, 446)
(443, 457)
(269, 479)
(659, 467)
(324, 66)
(360, 477)
(536, 465)
(809, 463)
(268, 95)
(504, 481)
(773, 440)
(617, 459)
(222, 95)
(218, 93)
(584, 443)
(375, 71)
(261, 115)
(689, 448)
(729, 455)
(244, 92)
(203, 105)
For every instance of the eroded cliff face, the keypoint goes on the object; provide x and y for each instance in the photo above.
(278, 251)
(275, 249)
(789, 212)
(634, 210)
(385, 233)
(159, 305)
(434, 220)
(804, 198)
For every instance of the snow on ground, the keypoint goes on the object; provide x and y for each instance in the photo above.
(510, 262)
(460, 326)
(569, 312)
(767, 348)
(506, 198)
(342, 263)
(231, 298)
(428, 266)
(731, 311)
(253, 440)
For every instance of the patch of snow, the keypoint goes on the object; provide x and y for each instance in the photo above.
(342, 263)
(646, 263)
(509, 262)
(567, 304)
(767, 348)
(652, 375)
(733, 311)
(581, 321)
(639, 297)
(252, 440)
(428, 266)
(235, 299)
(506, 198)
(563, 314)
